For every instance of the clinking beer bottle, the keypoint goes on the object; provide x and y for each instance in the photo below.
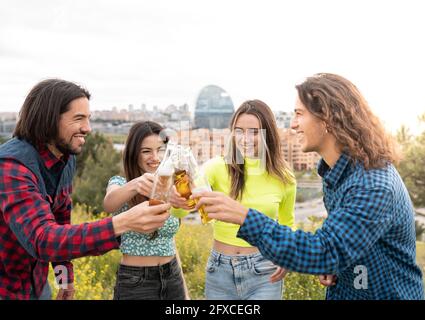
(161, 186)
(182, 183)
(201, 183)
(204, 216)
(187, 179)
(162, 181)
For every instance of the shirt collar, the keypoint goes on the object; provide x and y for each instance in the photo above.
(331, 176)
(49, 158)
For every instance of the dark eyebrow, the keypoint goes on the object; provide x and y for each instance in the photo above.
(82, 115)
(248, 128)
(298, 110)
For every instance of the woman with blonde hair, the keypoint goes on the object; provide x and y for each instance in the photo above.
(254, 173)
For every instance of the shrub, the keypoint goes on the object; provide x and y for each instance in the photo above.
(194, 244)
(95, 276)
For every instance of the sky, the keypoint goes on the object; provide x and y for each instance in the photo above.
(163, 52)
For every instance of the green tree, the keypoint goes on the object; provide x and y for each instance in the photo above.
(2, 140)
(94, 142)
(412, 166)
(420, 229)
(101, 162)
(403, 136)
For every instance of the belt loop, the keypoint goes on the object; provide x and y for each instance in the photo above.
(218, 261)
(249, 261)
(161, 272)
(169, 267)
(146, 273)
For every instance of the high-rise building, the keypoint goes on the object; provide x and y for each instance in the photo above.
(293, 154)
(283, 119)
(214, 108)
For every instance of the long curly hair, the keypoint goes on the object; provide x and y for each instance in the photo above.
(347, 115)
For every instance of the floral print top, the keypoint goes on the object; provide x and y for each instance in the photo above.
(139, 244)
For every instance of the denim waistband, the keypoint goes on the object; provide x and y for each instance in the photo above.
(249, 259)
(151, 272)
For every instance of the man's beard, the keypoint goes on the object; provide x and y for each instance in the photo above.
(65, 147)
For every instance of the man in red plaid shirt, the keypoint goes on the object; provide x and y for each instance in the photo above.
(36, 171)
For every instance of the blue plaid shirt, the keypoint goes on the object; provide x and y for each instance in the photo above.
(368, 239)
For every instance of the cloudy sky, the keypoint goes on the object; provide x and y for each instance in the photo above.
(162, 52)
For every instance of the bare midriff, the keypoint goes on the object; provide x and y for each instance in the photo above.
(145, 261)
(230, 250)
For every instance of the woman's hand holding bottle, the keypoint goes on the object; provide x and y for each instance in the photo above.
(177, 201)
(143, 185)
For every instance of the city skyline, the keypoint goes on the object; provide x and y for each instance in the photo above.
(162, 53)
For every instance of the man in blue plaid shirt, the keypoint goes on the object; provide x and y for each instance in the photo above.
(367, 244)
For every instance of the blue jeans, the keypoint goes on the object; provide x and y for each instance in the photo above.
(241, 278)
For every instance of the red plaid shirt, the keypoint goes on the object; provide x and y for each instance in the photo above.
(42, 227)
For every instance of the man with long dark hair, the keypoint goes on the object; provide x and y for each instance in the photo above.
(367, 243)
(37, 166)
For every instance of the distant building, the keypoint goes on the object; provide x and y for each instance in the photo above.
(214, 108)
(283, 119)
(184, 108)
(7, 123)
(7, 127)
(293, 154)
(8, 116)
(205, 143)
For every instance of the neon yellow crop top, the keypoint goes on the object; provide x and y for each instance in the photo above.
(262, 192)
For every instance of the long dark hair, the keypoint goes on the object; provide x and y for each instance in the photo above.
(138, 132)
(40, 114)
(275, 162)
(336, 101)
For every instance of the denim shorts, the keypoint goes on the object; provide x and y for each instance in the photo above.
(239, 277)
(164, 282)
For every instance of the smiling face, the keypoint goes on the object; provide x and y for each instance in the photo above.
(310, 129)
(246, 134)
(152, 151)
(73, 127)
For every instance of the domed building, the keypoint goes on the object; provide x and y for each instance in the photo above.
(214, 108)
